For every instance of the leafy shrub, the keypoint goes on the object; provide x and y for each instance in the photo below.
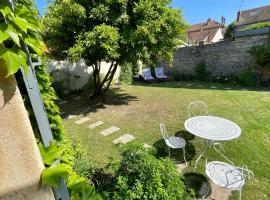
(226, 78)
(126, 73)
(261, 53)
(230, 30)
(177, 76)
(60, 88)
(256, 26)
(200, 70)
(247, 79)
(142, 176)
(83, 165)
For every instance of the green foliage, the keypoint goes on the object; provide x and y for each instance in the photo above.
(226, 78)
(230, 30)
(247, 79)
(261, 53)
(201, 72)
(126, 73)
(256, 26)
(114, 31)
(18, 27)
(142, 176)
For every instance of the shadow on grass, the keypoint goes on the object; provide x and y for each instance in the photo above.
(200, 85)
(176, 154)
(198, 183)
(84, 105)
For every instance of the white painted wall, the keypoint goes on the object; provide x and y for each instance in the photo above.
(78, 72)
(218, 36)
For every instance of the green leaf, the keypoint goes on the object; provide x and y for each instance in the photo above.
(50, 154)
(3, 35)
(51, 175)
(13, 59)
(12, 33)
(37, 45)
(21, 23)
(4, 8)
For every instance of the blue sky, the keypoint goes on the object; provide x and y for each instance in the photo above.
(196, 11)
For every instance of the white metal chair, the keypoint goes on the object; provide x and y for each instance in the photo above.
(197, 108)
(173, 142)
(160, 73)
(227, 175)
(147, 75)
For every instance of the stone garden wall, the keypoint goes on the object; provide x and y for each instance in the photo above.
(226, 57)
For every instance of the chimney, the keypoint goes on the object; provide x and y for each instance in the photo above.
(208, 20)
(223, 20)
(238, 16)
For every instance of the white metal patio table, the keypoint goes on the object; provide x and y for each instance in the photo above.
(213, 130)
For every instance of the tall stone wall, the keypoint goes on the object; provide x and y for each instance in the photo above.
(229, 57)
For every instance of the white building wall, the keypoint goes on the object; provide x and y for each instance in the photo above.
(218, 36)
(78, 73)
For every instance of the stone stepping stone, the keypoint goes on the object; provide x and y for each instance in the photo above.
(244, 89)
(189, 85)
(82, 120)
(109, 131)
(62, 102)
(181, 167)
(96, 124)
(213, 87)
(71, 116)
(147, 146)
(227, 88)
(200, 86)
(78, 98)
(124, 139)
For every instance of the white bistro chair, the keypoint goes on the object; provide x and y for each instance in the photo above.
(146, 74)
(197, 108)
(173, 142)
(227, 175)
(160, 73)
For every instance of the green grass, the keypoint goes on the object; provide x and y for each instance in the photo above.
(139, 109)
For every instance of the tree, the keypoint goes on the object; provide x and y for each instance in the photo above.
(115, 31)
(230, 30)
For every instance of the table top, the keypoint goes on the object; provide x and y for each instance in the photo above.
(213, 128)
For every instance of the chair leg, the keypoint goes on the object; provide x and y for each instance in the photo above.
(184, 153)
(240, 194)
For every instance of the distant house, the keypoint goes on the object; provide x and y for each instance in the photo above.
(206, 33)
(252, 16)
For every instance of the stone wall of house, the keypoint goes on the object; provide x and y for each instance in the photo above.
(229, 57)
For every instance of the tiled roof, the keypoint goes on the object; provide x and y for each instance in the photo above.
(254, 16)
(204, 31)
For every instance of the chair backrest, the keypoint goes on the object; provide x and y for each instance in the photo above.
(159, 71)
(164, 131)
(197, 108)
(147, 73)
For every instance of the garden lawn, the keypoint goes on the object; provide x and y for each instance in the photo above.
(139, 109)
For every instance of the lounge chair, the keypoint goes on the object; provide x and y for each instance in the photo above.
(160, 73)
(146, 75)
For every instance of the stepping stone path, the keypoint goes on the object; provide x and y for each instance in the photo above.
(78, 97)
(82, 120)
(124, 139)
(219, 193)
(109, 131)
(71, 116)
(147, 146)
(213, 87)
(96, 124)
(62, 102)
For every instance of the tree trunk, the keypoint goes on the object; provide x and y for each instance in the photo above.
(99, 85)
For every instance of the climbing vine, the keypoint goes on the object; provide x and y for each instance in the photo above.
(20, 30)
